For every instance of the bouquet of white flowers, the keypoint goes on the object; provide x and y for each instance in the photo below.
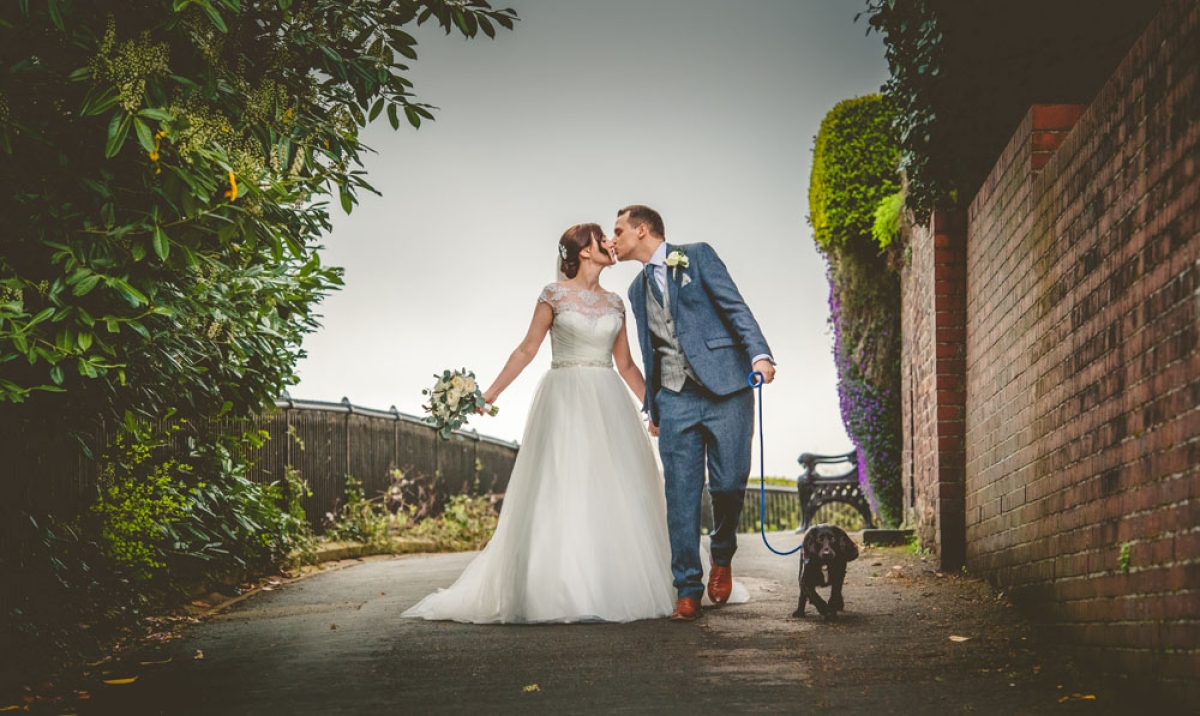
(453, 398)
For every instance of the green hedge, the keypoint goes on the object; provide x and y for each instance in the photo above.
(854, 168)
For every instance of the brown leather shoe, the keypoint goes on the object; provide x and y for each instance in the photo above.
(687, 609)
(720, 584)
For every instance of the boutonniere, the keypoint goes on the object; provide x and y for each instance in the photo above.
(676, 260)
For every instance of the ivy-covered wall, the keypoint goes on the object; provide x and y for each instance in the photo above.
(855, 172)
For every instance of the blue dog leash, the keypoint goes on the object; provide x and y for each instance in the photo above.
(762, 466)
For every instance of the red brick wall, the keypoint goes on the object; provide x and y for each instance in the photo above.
(933, 329)
(1081, 367)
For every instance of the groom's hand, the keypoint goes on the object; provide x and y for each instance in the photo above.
(766, 367)
(653, 430)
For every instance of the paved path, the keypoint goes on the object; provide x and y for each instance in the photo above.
(333, 644)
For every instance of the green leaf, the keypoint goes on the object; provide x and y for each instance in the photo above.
(155, 113)
(55, 14)
(41, 316)
(375, 110)
(215, 16)
(84, 339)
(393, 117)
(56, 374)
(99, 100)
(162, 246)
(144, 134)
(118, 129)
(86, 285)
(112, 324)
(347, 201)
(414, 117)
(138, 250)
(128, 292)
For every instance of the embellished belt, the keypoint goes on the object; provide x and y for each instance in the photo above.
(581, 364)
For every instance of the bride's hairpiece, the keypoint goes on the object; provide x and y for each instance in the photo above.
(562, 251)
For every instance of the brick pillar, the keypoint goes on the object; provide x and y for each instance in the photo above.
(950, 396)
(934, 386)
(1051, 125)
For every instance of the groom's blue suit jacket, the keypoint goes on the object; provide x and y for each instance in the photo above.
(714, 326)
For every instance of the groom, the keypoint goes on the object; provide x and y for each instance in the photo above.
(699, 343)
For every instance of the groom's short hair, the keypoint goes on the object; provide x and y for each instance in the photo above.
(641, 214)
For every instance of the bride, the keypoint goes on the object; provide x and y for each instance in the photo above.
(583, 532)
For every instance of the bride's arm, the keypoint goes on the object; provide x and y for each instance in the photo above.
(543, 316)
(625, 365)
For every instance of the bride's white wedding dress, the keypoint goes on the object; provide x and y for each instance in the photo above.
(582, 535)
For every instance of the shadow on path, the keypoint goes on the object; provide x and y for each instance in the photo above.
(334, 644)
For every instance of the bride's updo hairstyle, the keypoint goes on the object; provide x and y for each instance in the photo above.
(576, 239)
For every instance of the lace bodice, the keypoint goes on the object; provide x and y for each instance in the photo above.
(585, 325)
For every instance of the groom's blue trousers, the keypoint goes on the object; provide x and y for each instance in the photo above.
(698, 429)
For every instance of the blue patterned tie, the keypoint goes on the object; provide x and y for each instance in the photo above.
(653, 281)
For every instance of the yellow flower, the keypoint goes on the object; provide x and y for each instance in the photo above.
(232, 193)
(158, 137)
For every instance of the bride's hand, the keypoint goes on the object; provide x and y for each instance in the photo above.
(653, 430)
(489, 399)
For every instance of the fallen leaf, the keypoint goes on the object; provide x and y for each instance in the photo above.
(333, 627)
(121, 682)
(267, 588)
(201, 603)
(275, 581)
(151, 663)
(897, 566)
(531, 687)
(96, 663)
(1077, 697)
(11, 707)
(199, 654)
(959, 639)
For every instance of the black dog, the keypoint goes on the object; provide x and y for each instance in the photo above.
(826, 548)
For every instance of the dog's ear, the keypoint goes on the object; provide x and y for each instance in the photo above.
(846, 547)
(810, 541)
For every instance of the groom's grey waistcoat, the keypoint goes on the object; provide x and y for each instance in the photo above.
(673, 365)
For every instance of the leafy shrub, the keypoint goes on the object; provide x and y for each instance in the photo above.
(854, 189)
(887, 219)
(359, 519)
(464, 522)
(853, 169)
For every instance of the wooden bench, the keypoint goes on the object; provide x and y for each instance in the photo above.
(817, 490)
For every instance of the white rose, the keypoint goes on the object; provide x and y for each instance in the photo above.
(469, 386)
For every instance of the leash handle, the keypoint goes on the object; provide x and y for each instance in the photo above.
(756, 380)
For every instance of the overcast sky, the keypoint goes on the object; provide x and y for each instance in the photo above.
(703, 109)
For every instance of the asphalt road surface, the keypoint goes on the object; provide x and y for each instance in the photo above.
(333, 643)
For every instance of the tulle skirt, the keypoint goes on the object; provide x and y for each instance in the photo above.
(582, 534)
